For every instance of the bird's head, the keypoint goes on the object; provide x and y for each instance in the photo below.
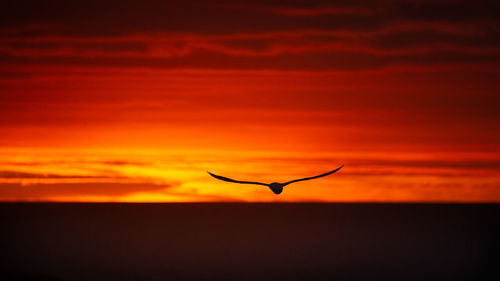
(276, 187)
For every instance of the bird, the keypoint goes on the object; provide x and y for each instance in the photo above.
(275, 187)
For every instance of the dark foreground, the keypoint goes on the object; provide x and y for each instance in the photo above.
(249, 241)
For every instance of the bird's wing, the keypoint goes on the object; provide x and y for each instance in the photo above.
(315, 177)
(235, 181)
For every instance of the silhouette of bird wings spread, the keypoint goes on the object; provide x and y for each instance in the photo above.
(283, 184)
(315, 177)
(236, 181)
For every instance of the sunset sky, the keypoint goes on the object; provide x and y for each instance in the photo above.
(136, 100)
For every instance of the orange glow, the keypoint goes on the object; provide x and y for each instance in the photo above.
(177, 176)
(139, 114)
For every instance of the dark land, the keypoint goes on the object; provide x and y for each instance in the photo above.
(232, 241)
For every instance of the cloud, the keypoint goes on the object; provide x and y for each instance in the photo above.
(93, 17)
(16, 191)
(407, 38)
(25, 175)
(319, 11)
(247, 35)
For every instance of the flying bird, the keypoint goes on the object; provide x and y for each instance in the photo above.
(276, 187)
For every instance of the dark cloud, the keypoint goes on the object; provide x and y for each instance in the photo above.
(106, 18)
(489, 165)
(13, 191)
(65, 162)
(434, 32)
(337, 60)
(24, 175)
(118, 17)
(124, 163)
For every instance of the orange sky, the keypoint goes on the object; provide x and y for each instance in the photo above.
(135, 104)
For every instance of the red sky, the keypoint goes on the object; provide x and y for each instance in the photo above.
(128, 101)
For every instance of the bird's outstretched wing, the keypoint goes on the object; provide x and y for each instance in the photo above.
(235, 181)
(315, 177)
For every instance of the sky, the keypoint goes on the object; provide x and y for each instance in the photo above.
(127, 101)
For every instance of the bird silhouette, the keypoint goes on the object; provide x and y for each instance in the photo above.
(276, 187)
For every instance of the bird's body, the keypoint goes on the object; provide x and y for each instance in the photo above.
(275, 187)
